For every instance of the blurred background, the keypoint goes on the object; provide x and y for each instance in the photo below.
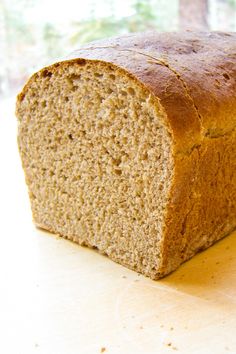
(34, 33)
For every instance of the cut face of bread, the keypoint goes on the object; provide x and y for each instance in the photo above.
(97, 159)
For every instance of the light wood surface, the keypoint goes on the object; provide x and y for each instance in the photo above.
(60, 298)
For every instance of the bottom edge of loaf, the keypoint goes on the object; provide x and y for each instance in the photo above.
(153, 275)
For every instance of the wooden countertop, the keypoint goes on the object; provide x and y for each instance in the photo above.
(60, 298)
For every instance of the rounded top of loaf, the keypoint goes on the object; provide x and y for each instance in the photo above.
(192, 75)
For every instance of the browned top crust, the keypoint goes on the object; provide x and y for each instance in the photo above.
(193, 74)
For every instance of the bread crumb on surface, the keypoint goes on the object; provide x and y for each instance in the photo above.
(169, 344)
(103, 349)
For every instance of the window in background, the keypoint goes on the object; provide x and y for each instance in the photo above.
(36, 32)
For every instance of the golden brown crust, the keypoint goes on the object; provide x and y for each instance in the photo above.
(202, 205)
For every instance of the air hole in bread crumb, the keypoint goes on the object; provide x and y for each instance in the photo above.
(58, 139)
(70, 137)
(116, 162)
(44, 104)
(75, 77)
(73, 81)
(82, 62)
(131, 91)
(118, 172)
(145, 156)
(98, 75)
(46, 73)
(124, 93)
(226, 76)
(113, 77)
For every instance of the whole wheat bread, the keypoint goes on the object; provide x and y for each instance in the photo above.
(129, 146)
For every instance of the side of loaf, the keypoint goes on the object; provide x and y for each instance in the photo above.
(129, 146)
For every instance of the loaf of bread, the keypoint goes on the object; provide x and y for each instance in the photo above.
(129, 146)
